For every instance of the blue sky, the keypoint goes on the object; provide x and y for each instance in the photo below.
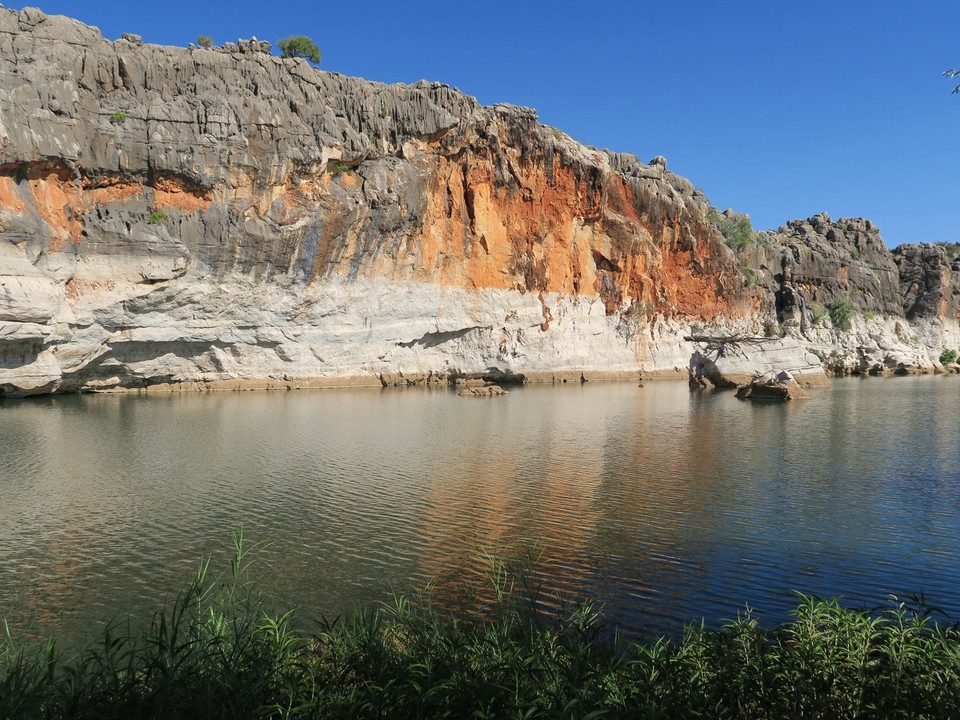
(781, 110)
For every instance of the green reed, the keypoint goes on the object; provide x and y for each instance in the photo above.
(220, 651)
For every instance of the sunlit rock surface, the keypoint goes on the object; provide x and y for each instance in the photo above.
(227, 218)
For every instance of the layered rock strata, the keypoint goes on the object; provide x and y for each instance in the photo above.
(210, 217)
(222, 217)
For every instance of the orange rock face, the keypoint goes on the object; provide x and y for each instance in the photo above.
(537, 216)
(538, 219)
(61, 200)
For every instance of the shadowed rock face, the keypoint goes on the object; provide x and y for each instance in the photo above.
(211, 216)
(929, 282)
(830, 260)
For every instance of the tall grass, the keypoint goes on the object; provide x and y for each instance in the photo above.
(220, 651)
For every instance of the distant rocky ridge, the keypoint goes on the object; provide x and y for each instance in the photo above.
(193, 217)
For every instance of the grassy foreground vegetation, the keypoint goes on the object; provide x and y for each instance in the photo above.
(220, 651)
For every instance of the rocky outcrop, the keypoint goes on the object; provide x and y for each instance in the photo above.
(727, 362)
(930, 292)
(836, 288)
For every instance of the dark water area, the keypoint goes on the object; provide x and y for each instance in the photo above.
(666, 506)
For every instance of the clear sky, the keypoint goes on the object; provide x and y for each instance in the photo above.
(778, 109)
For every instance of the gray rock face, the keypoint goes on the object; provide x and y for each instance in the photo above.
(831, 260)
(196, 114)
(929, 281)
(901, 306)
(223, 217)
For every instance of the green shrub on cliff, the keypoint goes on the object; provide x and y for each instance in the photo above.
(300, 46)
(948, 357)
(736, 229)
(841, 312)
(205, 41)
(952, 250)
(818, 313)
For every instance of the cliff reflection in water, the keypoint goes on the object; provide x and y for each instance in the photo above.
(664, 504)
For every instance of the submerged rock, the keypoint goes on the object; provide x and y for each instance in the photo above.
(780, 387)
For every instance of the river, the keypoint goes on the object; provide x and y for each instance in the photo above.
(665, 505)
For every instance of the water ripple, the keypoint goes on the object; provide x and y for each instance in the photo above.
(664, 505)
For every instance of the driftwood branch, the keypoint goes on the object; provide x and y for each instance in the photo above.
(729, 339)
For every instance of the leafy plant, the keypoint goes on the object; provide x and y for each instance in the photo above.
(384, 113)
(342, 167)
(948, 357)
(818, 313)
(205, 41)
(156, 216)
(219, 652)
(118, 116)
(639, 313)
(952, 250)
(639, 308)
(222, 651)
(736, 229)
(300, 46)
(833, 362)
(841, 312)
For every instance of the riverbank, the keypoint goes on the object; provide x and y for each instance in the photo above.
(222, 651)
(394, 381)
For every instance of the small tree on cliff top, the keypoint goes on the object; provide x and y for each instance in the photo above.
(300, 46)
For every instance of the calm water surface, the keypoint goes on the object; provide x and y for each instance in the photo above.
(666, 505)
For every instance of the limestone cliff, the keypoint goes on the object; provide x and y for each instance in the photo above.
(218, 216)
(224, 217)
